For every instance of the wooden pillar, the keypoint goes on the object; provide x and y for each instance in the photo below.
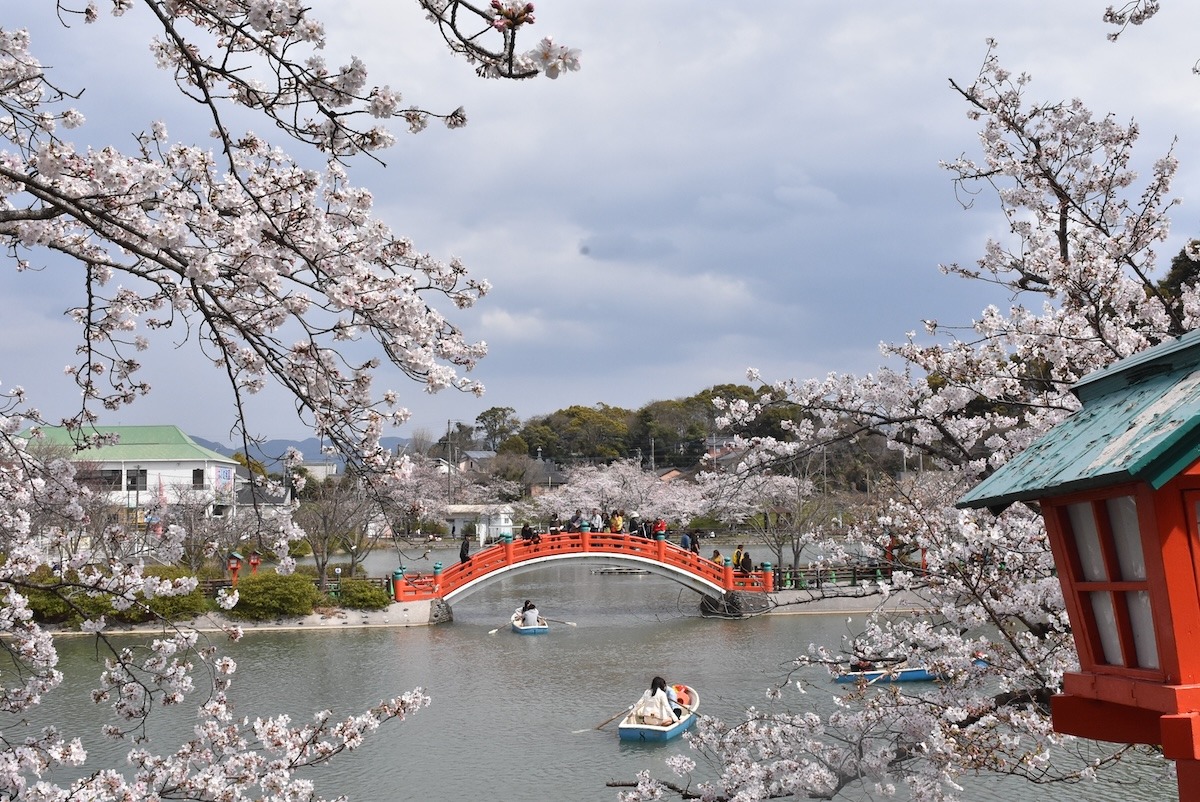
(1188, 774)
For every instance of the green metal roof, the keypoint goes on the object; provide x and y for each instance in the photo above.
(137, 444)
(1140, 421)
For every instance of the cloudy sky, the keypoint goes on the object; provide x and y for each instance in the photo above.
(722, 186)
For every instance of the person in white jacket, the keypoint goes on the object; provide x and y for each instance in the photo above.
(656, 706)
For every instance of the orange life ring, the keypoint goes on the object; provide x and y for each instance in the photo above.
(682, 695)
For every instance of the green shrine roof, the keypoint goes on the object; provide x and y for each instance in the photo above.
(137, 443)
(1140, 421)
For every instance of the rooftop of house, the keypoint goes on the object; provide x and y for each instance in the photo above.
(135, 444)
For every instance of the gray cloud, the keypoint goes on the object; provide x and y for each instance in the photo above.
(718, 188)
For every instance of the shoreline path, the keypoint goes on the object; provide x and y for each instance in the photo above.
(417, 614)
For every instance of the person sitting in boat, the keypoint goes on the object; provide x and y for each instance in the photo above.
(655, 707)
(682, 698)
(529, 614)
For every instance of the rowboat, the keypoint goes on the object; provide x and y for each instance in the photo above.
(540, 629)
(630, 729)
(898, 674)
(908, 674)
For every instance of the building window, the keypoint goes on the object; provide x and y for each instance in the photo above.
(135, 479)
(1110, 580)
(197, 479)
(101, 480)
(219, 510)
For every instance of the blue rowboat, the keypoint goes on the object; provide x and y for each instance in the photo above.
(630, 729)
(914, 674)
(541, 629)
(897, 674)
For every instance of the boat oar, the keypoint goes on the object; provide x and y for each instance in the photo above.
(570, 624)
(497, 629)
(613, 718)
(887, 671)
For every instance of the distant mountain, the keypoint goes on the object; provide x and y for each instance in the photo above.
(271, 452)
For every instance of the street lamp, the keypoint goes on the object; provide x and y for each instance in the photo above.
(1118, 484)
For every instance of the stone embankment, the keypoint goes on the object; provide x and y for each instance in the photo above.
(425, 613)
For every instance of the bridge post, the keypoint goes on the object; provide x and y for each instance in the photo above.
(508, 549)
(397, 582)
(585, 538)
(727, 577)
(768, 578)
(661, 551)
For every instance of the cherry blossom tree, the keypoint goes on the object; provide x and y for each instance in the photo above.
(272, 268)
(418, 494)
(622, 484)
(1078, 271)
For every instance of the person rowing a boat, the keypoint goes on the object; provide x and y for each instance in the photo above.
(529, 614)
(656, 705)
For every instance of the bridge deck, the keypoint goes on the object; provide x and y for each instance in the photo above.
(502, 557)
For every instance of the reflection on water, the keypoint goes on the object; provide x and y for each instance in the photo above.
(513, 718)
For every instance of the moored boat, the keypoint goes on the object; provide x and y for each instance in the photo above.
(634, 727)
(520, 628)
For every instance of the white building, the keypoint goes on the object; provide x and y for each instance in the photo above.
(490, 521)
(150, 467)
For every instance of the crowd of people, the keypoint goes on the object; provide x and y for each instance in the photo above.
(616, 522)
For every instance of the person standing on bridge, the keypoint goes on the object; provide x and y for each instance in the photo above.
(464, 551)
(717, 558)
(737, 556)
(685, 541)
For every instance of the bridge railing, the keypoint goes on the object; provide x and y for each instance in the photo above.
(444, 580)
(817, 578)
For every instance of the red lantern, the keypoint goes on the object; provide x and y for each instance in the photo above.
(1118, 485)
(234, 563)
(255, 559)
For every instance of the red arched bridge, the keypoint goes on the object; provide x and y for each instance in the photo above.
(510, 557)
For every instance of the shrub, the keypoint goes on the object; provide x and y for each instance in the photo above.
(69, 606)
(176, 608)
(299, 548)
(359, 595)
(268, 595)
